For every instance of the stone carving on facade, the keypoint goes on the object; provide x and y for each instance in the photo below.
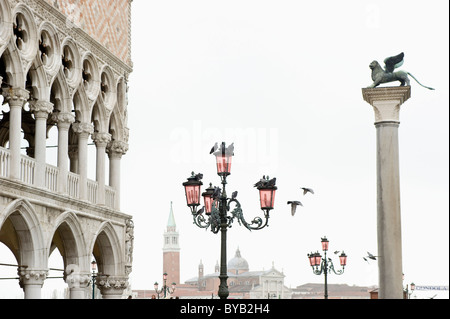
(111, 285)
(129, 240)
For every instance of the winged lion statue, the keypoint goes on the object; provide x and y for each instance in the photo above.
(380, 75)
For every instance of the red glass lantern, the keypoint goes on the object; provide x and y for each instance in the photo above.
(325, 244)
(223, 161)
(155, 285)
(343, 259)
(413, 286)
(312, 259)
(94, 266)
(208, 200)
(318, 258)
(267, 196)
(192, 189)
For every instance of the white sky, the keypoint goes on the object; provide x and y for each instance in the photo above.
(282, 80)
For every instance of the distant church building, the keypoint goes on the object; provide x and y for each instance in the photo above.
(242, 283)
(64, 66)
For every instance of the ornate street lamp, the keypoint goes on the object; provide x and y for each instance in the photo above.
(326, 264)
(164, 289)
(216, 212)
(94, 274)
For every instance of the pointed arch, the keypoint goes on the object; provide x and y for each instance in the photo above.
(108, 251)
(68, 238)
(21, 217)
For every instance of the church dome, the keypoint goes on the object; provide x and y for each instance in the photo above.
(238, 263)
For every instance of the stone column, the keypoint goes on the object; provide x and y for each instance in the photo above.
(386, 104)
(41, 110)
(111, 287)
(16, 98)
(83, 130)
(63, 120)
(78, 283)
(115, 151)
(101, 140)
(31, 282)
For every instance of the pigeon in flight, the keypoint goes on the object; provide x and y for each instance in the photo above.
(371, 256)
(294, 205)
(306, 190)
(230, 149)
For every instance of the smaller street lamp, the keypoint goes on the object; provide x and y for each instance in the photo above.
(94, 274)
(326, 264)
(164, 289)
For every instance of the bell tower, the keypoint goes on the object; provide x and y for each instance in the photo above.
(171, 251)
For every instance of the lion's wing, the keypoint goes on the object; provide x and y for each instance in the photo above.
(393, 62)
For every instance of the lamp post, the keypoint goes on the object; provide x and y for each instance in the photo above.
(216, 212)
(94, 274)
(165, 289)
(408, 291)
(326, 264)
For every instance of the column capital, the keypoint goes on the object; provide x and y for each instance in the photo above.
(63, 119)
(83, 128)
(31, 276)
(386, 101)
(101, 139)
(117, 148)
(15, 96)
(41, 109)
(111, 285)
(78, 280)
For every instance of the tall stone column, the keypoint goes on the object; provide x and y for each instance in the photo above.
(63, 120)
(386, 103)
(83, 130)
(16, 98)
(115, 151)
(41, 110)
(31, 282)
(101, 140)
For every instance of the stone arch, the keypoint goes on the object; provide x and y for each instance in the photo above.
(36, 82)
(81, 106)
(11, 67)
(107, 94)
(24, 32)
(90, 75)
(49, 48)
(5, 24)
(71, 62)
(108, 251)
(27, 242)
(60, 94)
(69, 240)
(99, 118)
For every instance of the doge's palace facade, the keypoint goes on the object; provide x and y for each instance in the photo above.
(64, 66)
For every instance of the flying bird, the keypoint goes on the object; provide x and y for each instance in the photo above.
(214, 148)
(371, 256)
(294, 205)
(306, 190)
(337, 252)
